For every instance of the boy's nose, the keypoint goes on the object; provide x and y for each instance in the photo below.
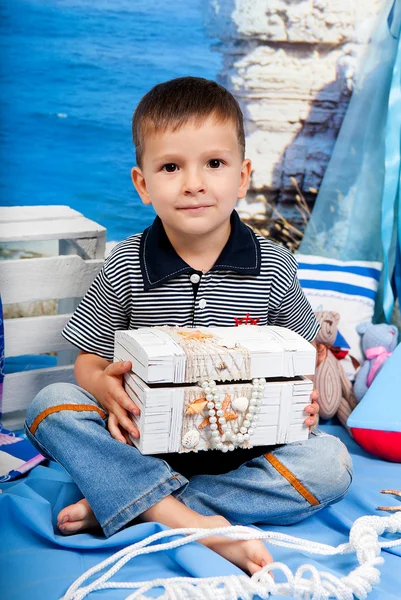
(193, 183)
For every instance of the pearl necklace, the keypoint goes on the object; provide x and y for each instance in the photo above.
(228, 440)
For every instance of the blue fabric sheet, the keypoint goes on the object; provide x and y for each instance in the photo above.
(38, 563)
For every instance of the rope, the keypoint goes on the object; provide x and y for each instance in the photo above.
(306, 584)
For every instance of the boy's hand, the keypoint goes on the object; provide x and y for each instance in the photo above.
(313, 411)
(116, 402)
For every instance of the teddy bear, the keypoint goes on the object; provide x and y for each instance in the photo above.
(335, 390)
(378, 343)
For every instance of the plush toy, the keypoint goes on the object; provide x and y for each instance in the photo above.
(378, 343)
(335, 390)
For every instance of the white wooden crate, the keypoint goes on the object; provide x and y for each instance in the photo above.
(65, 277)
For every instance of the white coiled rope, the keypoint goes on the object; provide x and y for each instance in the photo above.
(306, 584)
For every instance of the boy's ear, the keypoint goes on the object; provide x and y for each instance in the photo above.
(140, 185)
(245, 178)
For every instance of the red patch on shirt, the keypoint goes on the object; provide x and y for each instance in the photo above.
(247, 320)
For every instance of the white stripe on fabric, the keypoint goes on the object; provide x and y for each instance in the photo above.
(336, 276)
(312, 259)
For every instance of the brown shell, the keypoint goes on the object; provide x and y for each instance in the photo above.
(196, 407)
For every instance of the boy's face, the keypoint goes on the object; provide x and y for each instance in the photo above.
(193, 177)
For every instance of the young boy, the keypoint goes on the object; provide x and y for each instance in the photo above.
(197, 265)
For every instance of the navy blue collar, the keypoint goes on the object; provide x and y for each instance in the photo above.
(160, 262)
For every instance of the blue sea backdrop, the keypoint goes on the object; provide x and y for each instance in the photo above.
(72, 74)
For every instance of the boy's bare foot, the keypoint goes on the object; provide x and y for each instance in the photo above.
(76, 517)
(248, 555)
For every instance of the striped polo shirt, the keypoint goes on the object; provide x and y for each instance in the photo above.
(144, 283)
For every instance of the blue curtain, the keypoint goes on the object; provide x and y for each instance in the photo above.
(357, 214)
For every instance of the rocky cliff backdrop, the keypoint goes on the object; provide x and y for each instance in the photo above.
(291, 64)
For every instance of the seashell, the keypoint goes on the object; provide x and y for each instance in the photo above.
(240, 404)
(196, 407)
(190, 439)
(227, 343)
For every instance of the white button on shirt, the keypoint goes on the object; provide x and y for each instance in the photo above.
(202, 303)
(195, 278)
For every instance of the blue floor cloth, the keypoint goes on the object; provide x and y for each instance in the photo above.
(38, 563)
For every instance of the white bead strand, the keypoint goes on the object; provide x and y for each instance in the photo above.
(229, 440)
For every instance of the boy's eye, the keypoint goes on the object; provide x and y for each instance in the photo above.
(215, 163)
(170, 167)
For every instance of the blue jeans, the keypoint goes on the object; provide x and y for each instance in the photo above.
(274, 485)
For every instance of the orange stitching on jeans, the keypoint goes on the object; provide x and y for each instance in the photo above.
(77, 407)
(290, 477)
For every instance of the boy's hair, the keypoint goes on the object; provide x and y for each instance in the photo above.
(173, 103)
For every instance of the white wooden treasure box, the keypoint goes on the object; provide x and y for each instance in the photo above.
(248, 386)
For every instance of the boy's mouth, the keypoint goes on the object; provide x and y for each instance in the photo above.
(198, 208)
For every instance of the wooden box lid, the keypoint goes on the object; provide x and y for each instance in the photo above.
(186, 355)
